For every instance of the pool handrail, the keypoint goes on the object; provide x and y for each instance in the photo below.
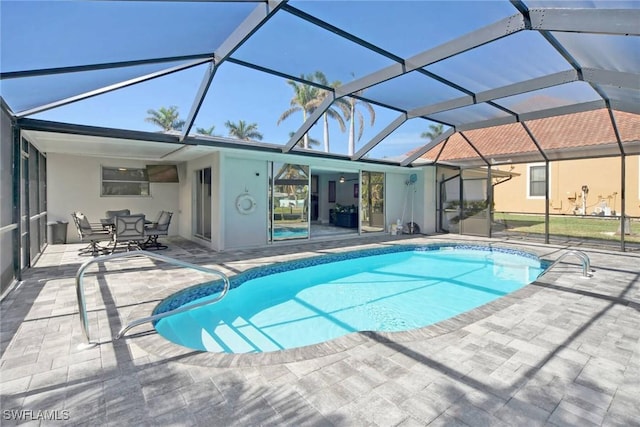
(82, 306)
(586, 262)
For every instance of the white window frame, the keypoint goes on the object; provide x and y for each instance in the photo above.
(103, 181)
(528, 183)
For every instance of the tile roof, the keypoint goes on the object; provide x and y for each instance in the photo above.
(569, 131)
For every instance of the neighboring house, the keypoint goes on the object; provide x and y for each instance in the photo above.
(584, 151)
(526, 192)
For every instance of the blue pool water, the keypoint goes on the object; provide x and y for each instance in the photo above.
(289, 233)
(297, 304)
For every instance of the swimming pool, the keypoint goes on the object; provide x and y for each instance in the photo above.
(306, 302)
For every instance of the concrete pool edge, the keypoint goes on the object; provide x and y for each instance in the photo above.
(148, 340)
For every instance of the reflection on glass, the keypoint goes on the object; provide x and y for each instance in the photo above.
(290, 198)
(203, 203)
(372, 214)
(475, 205)
(450, 201)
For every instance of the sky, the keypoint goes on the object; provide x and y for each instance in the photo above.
(96, 32)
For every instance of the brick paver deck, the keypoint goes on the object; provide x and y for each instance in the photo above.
(562, 351)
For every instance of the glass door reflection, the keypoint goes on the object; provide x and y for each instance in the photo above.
(475, 204)
(372, 212)
(290, 201)
(203, 204)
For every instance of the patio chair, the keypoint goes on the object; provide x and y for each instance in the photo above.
(111, 214)
(129, 230)
(88, 233)
(159, 228)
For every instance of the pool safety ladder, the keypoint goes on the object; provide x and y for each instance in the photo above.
(82, 306)
(586, 263)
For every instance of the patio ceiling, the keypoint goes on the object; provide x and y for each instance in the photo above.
(502, 80)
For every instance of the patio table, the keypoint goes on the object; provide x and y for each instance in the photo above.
(110, 224)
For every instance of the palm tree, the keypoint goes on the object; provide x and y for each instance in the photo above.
(166, 118)
(206, 131)
(243, 130)
(355, 114)
(297, 177)
(312, 141)
(305, 99)
(433, 132)
(331, 111)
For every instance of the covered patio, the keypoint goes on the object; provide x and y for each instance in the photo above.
(408, 113)
(468, 85)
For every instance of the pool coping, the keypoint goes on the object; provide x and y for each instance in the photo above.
(147, 339)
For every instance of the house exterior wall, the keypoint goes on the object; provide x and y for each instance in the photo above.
(73, 184)
(244, 176)
(428, 220)
(602, 176)
(238, 173)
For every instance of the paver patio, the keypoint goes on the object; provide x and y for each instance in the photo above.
(562, 351)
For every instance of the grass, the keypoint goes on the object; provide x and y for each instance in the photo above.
(603, 228)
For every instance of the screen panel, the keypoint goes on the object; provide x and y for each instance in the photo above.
(102, 32)
(406, 28)
(296, 47)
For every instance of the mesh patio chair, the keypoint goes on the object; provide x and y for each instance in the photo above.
(111, 214)
(159, 228)
(156, 220)
(90, 233)
(129, 231)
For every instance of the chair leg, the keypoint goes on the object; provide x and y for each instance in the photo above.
(94, 248)
(152, 243)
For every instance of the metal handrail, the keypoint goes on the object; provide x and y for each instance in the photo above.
(586, 263)
(82, 306)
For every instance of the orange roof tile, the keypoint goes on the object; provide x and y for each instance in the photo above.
(574, 130)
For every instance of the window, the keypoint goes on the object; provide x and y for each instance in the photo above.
(124, 182)
(537, 181)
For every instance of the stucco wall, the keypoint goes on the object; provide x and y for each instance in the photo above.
(602, 176)
(244, 176)
(73, 184)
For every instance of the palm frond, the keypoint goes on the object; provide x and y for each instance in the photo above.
(288, 113)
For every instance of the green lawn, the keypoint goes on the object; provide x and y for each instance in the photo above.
(574, 226)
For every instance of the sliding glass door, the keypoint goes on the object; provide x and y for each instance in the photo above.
(289, 192)
(372, 212)
(202, 216)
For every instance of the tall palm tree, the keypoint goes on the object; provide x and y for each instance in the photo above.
(433, 132)
(335, 114)
(355, 114)
(243, 130)
(305, 99)
(292, 173)
(206, 131)
(167, 118)
(312, 141)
